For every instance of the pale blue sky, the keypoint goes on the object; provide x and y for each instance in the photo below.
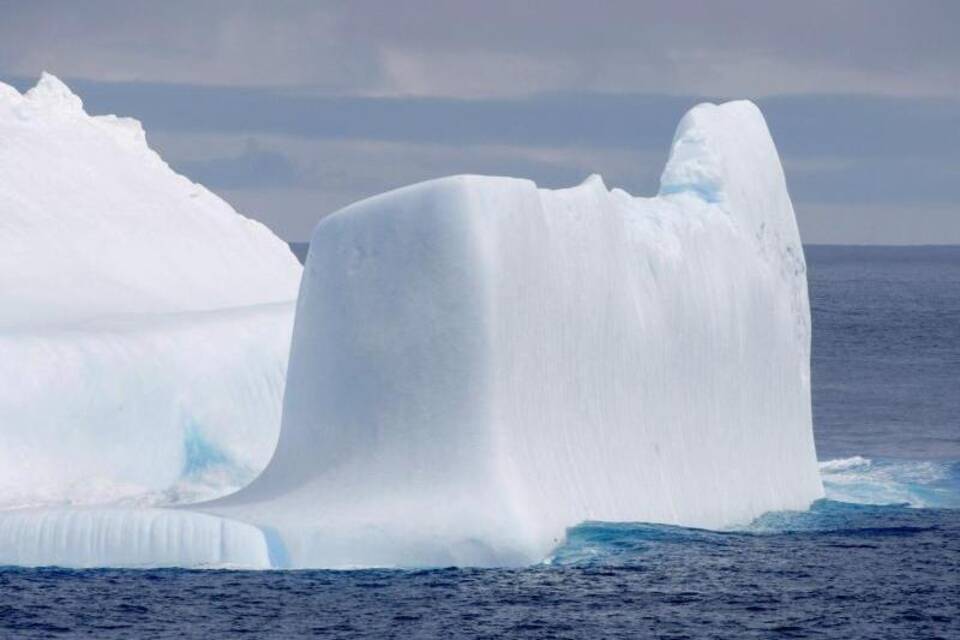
(293, 109)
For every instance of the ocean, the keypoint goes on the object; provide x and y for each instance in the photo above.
(878, 558)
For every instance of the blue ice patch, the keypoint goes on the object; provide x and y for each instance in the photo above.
(199, 455)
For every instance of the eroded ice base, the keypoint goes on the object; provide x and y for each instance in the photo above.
(118, 537)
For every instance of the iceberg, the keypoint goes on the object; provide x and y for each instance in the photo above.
(478, 364)
(144, 324)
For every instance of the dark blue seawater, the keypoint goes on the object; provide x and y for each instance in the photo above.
(886, 351)
(880, 558)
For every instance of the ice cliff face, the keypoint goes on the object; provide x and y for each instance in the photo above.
(479, 364)
(144, 325)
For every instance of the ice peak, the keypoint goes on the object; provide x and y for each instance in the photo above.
(710, 146)
(52, 92)
(8, 93)
(594, 180)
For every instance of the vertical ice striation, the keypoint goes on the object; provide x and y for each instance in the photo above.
(478, 364)
(99, 537)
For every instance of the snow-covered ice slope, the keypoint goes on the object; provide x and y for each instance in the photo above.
(478, 364)
(144, 325)
(93, 222)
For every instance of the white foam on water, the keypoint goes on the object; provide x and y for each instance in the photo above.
(916, 483)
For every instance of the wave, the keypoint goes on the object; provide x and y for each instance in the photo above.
(866, 500)
(860, 480)
(831, 522)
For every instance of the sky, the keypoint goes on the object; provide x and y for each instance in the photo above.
(293, 109)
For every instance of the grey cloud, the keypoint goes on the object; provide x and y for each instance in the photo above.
(500, 47)
(351, 98)
(901, 182)
(808, 125)
(838, 149)
(334, 173)
(635, 121)
(216, 42)
(878, 224)
(253, 168)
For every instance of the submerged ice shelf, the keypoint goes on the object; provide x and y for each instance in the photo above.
(478, 364)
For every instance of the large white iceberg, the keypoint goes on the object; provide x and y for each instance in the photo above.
(144, 324)
(478, 364)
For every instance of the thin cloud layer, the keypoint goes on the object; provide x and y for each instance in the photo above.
(496, 48)
(295, 108)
